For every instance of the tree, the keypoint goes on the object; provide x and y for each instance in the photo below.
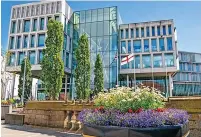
(82, 71)
(52, 64)
(98, 72)
(28, 79)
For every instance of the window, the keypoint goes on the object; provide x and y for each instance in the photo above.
(23, 11)
(20, 58)
(27, 12)
(106, 13)
(12, 59)
(57, 18)
(67, 60)
(137, 62)
(100, 14)
(47, 8)
(137, 32)
(40, 56)
(147, 31)
(189, 67)
(18, 13)
(52, 8)
(146, 60)
(129, 46)
(58, 6)
(169, 59)
(42, 9)
(19, 26)
(106, 27)
(88, 16)
(122, 33)
(169, 43)
(13, 15)
(13, 27)
(99, 29)
(123, 47)
(158, 31)
(34, 24)
(94, 15)
(125, 66)
(18, 42)
(153, 31)
(41, 40)
(26, 25)
(65, 42)
(132, 33)
(157, 61)
(126, 33)
(25, 42)
(169, 29)
(146, 45)
(161, 44)
(11, 42)
(142, 32)
(41, 23)
(32, 57)
(32, 10)
(137, 45)
(164, 30)
(32, 41)
(153, 45)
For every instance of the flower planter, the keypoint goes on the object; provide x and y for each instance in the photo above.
(5, 109)
(114, 131)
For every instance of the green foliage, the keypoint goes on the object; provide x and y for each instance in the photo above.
(52, 64)
(123, 98)
(82, 71)
(28, 79)
(98, 72)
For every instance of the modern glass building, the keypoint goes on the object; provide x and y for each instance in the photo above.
(155, 51)
(101, 27)
(187, 81)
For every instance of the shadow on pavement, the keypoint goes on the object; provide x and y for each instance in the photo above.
(46, 131)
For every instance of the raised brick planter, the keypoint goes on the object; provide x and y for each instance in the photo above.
(14, 119)
(5, 109)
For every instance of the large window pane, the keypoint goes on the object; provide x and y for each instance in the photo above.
(158, 60)
(13, 26)
(169, 29)
(129, 46)
(153, 45)
(142, 32)
(153, 31)
(93, 29)
(41, 23)
(19, 26)
(100, 14)
(94, 15)
(137, 45)
(161, 44)
(169, 59)
(137, 62)
(164, 30)
(122, 33)
(25, 44)
(18, 42)
(137, 32)
(20, 58)
(169, 43)
(158, 31)
(106, 27)
(41, 40)
(65, 42)
(113, 42)
(125, 66)
(88, 16)
(82, 16)
(32, 56)
(34, 24)
(67, 60)
(40, 56)
(147, 31)
(123, 47)
(146, 45)
(26, 25)
(99, 28)
(32, 43)
(12, 59)
(12, 42)
(146, 60)
(132, 33)
(106, 13)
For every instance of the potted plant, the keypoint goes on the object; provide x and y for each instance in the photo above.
(124, 113)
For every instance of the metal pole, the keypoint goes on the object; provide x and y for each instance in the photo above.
(117, 67)
(22, 98)
(134, 79)
(166, 81)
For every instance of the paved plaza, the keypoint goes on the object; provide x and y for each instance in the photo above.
(28, 131)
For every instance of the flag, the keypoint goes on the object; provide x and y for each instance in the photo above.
(127, 59)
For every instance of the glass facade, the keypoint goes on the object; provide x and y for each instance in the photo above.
(101, 28)
(137, 45)
(147, 31)
(169, 29)
(161, 44)
(25, 44)
(12, 42)
(34, 25)
(13, 26)
(132, 33)
(142, 32)
(122, 34)
(12, 59)
(146, 45)
(169, 59)
(137, 32)
(41, 40)
(123, 47)
(153, 45)
(153, 31)
(146, 61)
(41, 23)
(18, 42)
(26, 25)
(164, 30)
(40, 56)
(169, 43)
(157, 60)
(32, 43)
(32, 57)
(20, 57)
(127, 33)
(129, 46)
(158, 31)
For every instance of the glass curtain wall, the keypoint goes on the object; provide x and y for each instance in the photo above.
(100, 25)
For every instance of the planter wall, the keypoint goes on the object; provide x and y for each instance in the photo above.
(14, 119)
(5, 109)
(112, 131)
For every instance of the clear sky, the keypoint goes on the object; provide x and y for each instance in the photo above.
(186, 15)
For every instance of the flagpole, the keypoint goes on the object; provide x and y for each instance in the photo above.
(134, 79)
(152, 76)
(117, 66)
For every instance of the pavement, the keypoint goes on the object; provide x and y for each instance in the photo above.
(29, 131)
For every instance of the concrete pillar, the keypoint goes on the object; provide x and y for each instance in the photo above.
(127, 81)
(170, 85)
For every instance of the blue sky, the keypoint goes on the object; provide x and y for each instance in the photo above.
(186, 15)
